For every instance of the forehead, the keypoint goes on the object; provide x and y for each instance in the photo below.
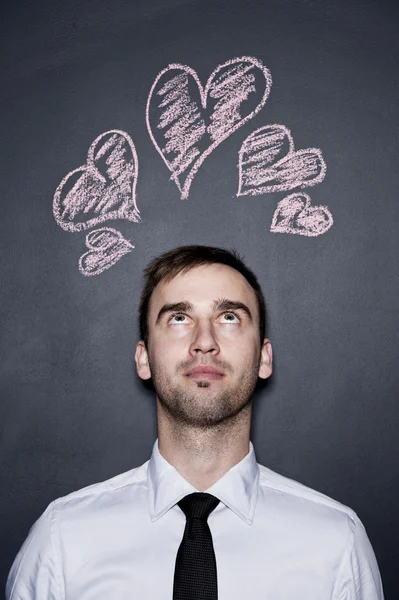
(204, 284)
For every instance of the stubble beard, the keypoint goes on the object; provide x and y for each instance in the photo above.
(192, 405)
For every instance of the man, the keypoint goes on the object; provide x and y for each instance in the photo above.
(201, 518)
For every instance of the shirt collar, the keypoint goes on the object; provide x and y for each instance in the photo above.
(237, 489)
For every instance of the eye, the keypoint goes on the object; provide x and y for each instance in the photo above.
(179, 318)
(231, 316)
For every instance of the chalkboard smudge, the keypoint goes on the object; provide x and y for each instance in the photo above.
(106, 246)
(295, 214)
(268, 162)
(186, 121)
(102, 189)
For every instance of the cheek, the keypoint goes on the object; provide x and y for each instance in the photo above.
(243, 350)
(166, 351)
(229, 333)
(173, 334)
(233, 335)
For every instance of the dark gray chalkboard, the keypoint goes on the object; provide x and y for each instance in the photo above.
(72, 409)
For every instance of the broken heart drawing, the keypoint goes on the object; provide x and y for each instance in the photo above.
(295, 214)
(106, 246)
(268, 162)
(187, 121)
(102, 189)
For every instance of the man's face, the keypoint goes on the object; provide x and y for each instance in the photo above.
(204, 319)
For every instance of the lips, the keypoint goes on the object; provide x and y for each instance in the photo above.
(204, 370)
(210, 372)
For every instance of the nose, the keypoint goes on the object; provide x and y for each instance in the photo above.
(204, 340)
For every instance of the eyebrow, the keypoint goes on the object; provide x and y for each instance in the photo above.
(220, 304)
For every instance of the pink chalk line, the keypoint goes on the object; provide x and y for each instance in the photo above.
(190, 130)
(106, 246)
(102, 189)
(295, 214)
(268, 162)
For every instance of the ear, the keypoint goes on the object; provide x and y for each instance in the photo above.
(142, 364)
(266, 360)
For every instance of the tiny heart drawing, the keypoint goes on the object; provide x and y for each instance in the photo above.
(102, 189)
(295, 214)
(268, 162)
(106, 246)
(186, 121)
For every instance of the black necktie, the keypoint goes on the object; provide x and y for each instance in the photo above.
(195, 570)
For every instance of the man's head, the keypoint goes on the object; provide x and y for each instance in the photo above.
(201, 308)
(165, 267)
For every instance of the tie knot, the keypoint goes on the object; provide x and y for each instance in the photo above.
(198, 505)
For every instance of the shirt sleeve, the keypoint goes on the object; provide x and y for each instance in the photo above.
(359, 577)
(36, 571)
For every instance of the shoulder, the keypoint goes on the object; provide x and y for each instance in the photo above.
(37, 569)
(270, 480)
(307, 507)
(111, 491)
(329, 527)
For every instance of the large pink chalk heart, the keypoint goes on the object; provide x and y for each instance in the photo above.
(268, 162)
(102, 189)
(106, 246)
(295, 214)
(186, 121)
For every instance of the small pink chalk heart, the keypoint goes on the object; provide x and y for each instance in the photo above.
(295, 214)
(102, 189)
(268, 162)
(186, 121)
(106, 246)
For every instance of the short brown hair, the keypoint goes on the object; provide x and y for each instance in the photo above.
(179, 260)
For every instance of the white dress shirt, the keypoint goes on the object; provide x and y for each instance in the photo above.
(274, 539)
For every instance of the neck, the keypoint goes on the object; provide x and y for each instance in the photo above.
(202, 456)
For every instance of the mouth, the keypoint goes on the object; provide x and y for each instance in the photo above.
(204, 373)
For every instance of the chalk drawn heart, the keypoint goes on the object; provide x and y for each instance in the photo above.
(186, 121)
(106, 246)
(268, 162)
(295, 214)
(102, 189)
